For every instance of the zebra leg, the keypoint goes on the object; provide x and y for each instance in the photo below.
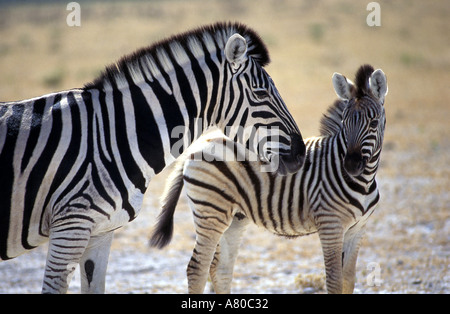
(209, 228)
(352, 240)
(93, 263)
(67, 244)
(198, 267)
(221, 271)
(331, 237)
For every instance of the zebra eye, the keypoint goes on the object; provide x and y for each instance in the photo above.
(261, 94)
(374, 124)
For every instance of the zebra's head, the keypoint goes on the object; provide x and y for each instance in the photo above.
(268, 127)
(363, 117)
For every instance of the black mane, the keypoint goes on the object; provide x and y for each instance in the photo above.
(331, 121)
(211, 38)
(362, 80)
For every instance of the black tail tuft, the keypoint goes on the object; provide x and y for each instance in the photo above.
(162, 234)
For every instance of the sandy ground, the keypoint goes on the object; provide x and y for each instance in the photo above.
(407, 244)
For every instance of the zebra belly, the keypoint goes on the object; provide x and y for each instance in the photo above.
(82, 201)
(289, 230)
(105, 207)
(14, 247)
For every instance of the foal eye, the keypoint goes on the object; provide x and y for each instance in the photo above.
(261, 93)
(374, 124)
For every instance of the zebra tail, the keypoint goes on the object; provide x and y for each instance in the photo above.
(163, 231)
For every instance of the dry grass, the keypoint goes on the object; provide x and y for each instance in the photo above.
(409, 234)
(310, 282)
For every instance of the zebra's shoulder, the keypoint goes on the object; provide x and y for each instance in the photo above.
(331, 121)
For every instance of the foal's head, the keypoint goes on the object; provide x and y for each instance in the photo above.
(363, 117)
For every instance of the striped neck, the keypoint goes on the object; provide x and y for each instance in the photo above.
(166, 117)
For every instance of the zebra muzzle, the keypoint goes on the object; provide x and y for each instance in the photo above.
(291, 163)
(354, 163)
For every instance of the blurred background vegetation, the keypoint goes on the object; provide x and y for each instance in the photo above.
(308, 41)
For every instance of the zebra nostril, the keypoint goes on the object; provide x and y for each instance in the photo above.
(298, 148)
(292, 162)
(354, 163)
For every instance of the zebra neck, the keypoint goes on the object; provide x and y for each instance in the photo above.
(157, 118)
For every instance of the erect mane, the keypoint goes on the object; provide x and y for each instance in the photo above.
(331, 121)
(209, 39)
(362, 80)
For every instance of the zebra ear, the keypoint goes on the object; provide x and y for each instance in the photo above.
(378, 85)
(343, 87)
(236, 51)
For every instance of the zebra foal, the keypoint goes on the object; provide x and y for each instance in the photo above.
(74, 165)
(333, 194)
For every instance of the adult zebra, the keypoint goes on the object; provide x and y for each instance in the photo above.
(74, 165)
(333, 194)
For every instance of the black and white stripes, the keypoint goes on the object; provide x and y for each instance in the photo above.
(333, 194)
(75, 165)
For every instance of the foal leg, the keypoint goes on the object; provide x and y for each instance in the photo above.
(331, 237)
(93, 264)
(352, 240)
(209, 227)
(221, 271)
(198, 267)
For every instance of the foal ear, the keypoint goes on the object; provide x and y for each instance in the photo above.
(343, 87)
(378, 85)
(236, 51)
